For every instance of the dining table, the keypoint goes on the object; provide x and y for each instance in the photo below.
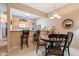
(48, 41)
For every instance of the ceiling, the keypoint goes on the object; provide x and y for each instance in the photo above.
(20, 13)
(2, 8)
(45, 7)
(17, 12)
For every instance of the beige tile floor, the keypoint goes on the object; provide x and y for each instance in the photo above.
(18, 51)
(24, 51)
(3, 47)
(73, 52)
(31, 51)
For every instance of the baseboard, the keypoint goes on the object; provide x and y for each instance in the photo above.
(15, 47)
(9, 50)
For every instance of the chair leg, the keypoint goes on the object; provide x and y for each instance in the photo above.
(46, 50)
(68, 51)
(37, 49)
(62, 53)
(27, 42)
(33, 40)
(49, 50)
(21, 44)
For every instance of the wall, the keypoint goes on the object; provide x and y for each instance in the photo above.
(45, 22)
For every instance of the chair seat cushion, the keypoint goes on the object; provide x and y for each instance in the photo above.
(24, 36)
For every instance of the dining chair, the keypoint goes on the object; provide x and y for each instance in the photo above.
(37, 39)
(24, 38)
(55, 48)
(36, 32)
(34, 40)
(69, 40)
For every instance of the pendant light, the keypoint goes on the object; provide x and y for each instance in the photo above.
(55, 15)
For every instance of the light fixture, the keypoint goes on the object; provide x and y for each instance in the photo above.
(27, 16)
(55, 15)
(3, 18)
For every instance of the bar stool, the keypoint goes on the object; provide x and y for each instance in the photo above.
(24, 38)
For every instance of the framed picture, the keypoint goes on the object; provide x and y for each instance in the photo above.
(67, 23)
(39, 27)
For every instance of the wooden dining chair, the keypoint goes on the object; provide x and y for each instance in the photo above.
(37, 39)
(55, 48)
(24, 38)
(34, 36)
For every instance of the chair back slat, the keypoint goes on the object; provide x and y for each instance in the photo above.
(57, 37)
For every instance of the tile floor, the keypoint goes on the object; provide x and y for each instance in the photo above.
(73, 52)
(31, 51)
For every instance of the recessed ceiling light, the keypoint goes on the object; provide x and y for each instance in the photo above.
(27, 14)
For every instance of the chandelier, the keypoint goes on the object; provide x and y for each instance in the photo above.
(55, 15)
